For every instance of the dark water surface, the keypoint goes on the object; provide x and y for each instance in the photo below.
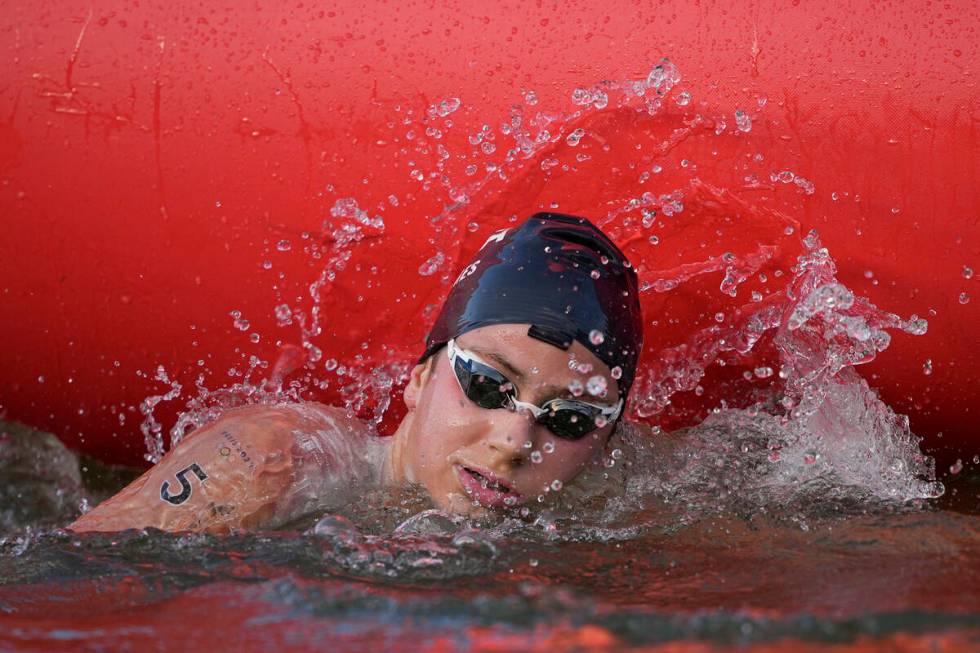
(722, 581)
(387, 577)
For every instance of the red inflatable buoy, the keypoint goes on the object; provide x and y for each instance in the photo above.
(174, 179)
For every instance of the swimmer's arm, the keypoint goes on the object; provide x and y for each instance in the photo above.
(234, 473)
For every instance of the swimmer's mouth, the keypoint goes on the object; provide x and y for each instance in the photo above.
(486, 488)
(489, 481)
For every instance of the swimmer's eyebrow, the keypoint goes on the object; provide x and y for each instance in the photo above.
(500, 358)
(556, 390)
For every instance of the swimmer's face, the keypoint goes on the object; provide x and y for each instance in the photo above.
(465, 455)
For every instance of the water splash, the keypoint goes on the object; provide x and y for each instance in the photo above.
(791, 340)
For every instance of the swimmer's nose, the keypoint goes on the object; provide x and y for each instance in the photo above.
(512, 436)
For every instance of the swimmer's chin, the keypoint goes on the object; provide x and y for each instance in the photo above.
(462, 505)
(459, 503)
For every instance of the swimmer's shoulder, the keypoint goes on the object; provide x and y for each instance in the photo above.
(291, 418)
(350, 450)
(320, 415)
(253, 467)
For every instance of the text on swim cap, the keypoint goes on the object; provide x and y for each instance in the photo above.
(495, 237)
(467, 271)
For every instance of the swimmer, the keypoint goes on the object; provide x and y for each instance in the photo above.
(523, 378)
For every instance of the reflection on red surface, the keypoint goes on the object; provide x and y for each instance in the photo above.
(238, 617)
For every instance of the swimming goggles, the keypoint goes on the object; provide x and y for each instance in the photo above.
(487, 388)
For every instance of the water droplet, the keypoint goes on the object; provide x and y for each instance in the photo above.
(657, 169)
(218, 204)
(536, 457)
(967, 272)
(756, 296)
(472, 227)
(284, 245)
(683, 98)
(549, 447)
(596, 385)
(575, 137)
(916, 326)
(596, 337)
(927, 367)
(556, 485)
(763, 372)
(616, 454)
(616, 372)
(447, 106)
(581, 97)
(663, 76)
(600, 99)
(576, 388)
(533, 562)
(254, 337)
(531, 98)
(284, 314)
(330, 365)
(432, 264)
(719, 317)
(742, 121)
(956, 467)
(595, 274)
(240, 323)
(964, 298)
(40, 379)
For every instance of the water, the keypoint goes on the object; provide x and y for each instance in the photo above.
(668, 561)
(799, 511)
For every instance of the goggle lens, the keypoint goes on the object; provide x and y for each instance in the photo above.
(488, 388)
(569, 423)
(482, 384)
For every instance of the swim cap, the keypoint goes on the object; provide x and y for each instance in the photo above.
(559, 274)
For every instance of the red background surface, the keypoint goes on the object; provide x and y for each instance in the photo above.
(152, 155)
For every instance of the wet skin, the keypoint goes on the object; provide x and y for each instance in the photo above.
(243, 471)
(445, 436)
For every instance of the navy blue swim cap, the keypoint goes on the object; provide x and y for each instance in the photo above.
(559, 274)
